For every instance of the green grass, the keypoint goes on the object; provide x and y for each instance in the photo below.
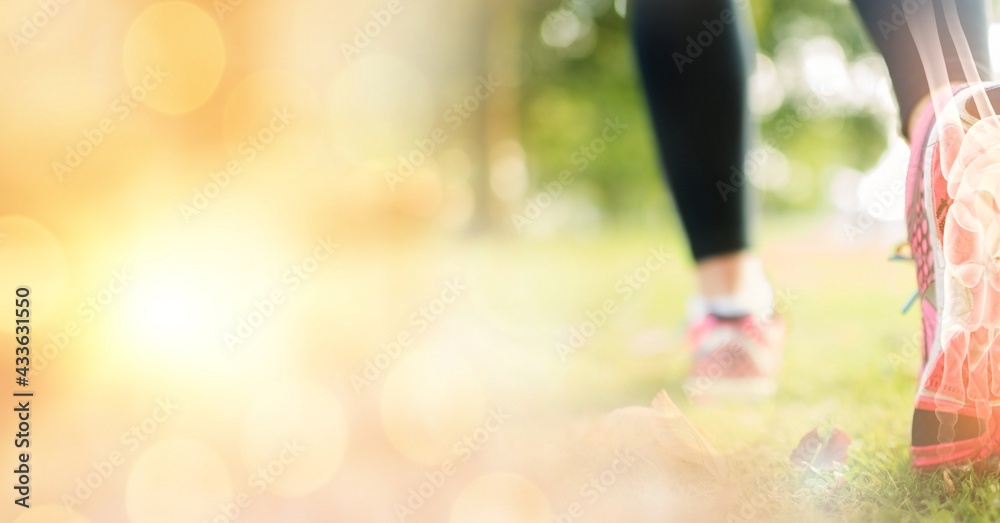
(848, 363)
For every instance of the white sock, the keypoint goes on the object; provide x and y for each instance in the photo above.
(755, 298)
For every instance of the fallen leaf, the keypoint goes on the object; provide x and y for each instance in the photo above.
(661, 433)
(822, 454)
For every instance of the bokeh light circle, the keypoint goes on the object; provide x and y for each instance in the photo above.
(501, 498)
(174, 57)
(381, 107)
(297, 432)
(177, 481)
(272, 114)
(31, 256)
(430, 401)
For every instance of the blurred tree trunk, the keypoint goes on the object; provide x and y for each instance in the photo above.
(499, 55)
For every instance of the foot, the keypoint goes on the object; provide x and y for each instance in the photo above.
(953, 188)
(735, 357)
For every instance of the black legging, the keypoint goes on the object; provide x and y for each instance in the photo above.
(694, 57)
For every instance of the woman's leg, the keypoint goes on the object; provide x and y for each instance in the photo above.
(693, 60)
(693, 56)
(929, 47)
(890, 23)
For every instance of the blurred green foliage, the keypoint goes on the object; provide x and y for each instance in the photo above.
(568, 91)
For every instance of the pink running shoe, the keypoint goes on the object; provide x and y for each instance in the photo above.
(735, 358)
(955, 417)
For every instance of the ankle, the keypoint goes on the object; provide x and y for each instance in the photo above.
(732, 285)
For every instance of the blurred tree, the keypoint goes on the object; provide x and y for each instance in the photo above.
(580, 71)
